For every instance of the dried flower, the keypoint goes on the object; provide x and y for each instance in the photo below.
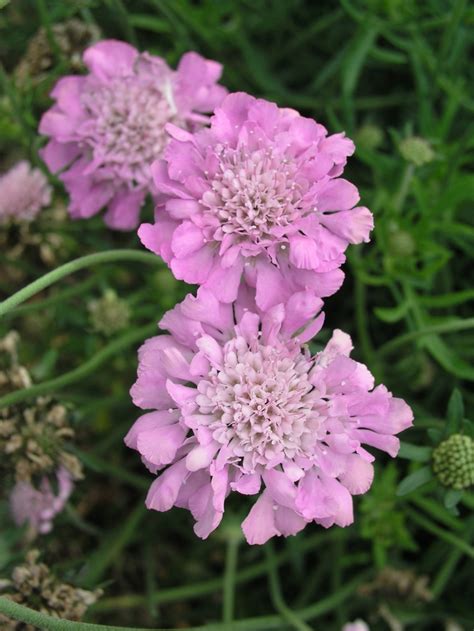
(393, 584)
(40, 242)
(109, 125)
(239, 401)
(24, 191)
(34, 585)
(71, 37)
(32, 447)
(257, 197)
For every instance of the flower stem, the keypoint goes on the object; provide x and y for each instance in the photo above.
(46, 623)
(276, 595)
(69, 268)
(82, 371)
(229, 580)
(404, 187)
(174, 594)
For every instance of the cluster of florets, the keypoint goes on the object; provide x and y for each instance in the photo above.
(33, 439)
(257, 198)
(24, 191)
(251, 205)
(453, 462)
(240, 405)
(108, 126)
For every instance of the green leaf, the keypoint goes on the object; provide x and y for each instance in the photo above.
(392, 314)
(435, 435)
(356, 57)
(448, 358)
(414, 453)
(447, 300)
(452, 498)
(455, 412)
(414, 481)
(149, 23)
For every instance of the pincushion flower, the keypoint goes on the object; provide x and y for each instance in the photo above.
(108, 126)
(24, 191)
(259, 196)
(37, 507)
(240, 405)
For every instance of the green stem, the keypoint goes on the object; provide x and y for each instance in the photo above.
(112, 546)
(229, 580)
(174, 594)
(276, 595)
(45, 20)
(73, 266)
(57, 298)
(446, 327)
(82, 371)
(262, 623)
(447, 536)
(404, 187)
(41, 621)
(362, 320)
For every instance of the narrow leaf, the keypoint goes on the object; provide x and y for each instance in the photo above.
(414, 481)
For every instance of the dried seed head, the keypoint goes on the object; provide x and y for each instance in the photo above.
(33, 584)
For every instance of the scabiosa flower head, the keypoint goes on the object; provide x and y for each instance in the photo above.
(37, 507)
(259, 194)
(24, 191)
(108, 126)
(357, 625)
(239, 404)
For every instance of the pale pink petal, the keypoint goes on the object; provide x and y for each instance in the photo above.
(259, 525)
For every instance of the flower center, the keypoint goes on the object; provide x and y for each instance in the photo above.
(261, 403)
(255, 192)
(127, 130)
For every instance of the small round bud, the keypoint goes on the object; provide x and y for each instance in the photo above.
(401, 243)
(453, 462)
(369, 136)
(416, 150)
(109, 314)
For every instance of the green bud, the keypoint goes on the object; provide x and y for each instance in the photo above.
(453, 462)
(401, 243)
(109, 314)
(416, 150)
(369, 136)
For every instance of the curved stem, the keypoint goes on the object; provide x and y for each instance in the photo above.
(447, 327)
(73, 266)
(58, 297)
(277, 597)
(82, 371)
(262, 623)
(46, 623)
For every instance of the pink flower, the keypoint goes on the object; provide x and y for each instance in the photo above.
(39, 506)
(239, 405)
(258, 196)
(108, 126)
(357, 625)
(24, 191)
